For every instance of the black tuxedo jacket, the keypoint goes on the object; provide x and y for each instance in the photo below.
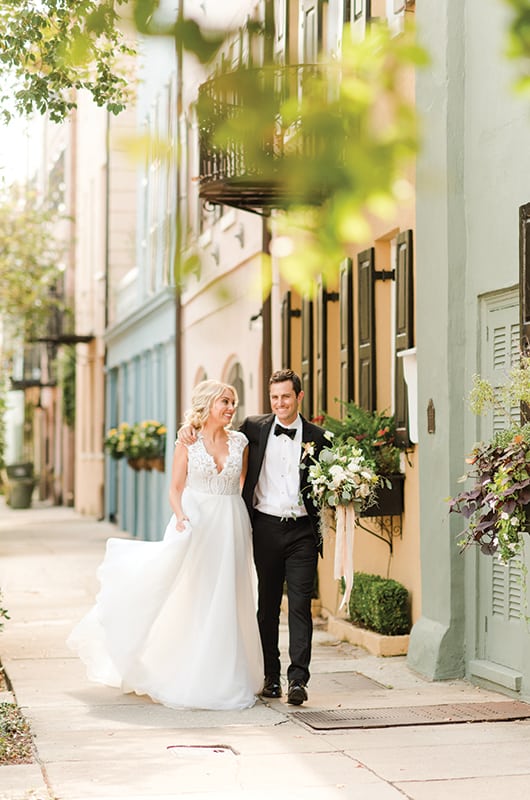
(257, 430)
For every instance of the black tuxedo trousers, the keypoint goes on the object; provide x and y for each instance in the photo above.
(285, 551)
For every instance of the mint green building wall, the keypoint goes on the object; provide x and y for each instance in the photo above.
(472, 176)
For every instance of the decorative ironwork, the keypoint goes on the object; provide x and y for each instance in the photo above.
(228, 172)
(389, 528)
(386, 511)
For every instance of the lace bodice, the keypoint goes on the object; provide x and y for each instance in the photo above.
(203, 475)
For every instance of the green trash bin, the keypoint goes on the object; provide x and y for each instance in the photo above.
(21, 483)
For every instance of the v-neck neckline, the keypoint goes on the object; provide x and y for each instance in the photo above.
(214, 462)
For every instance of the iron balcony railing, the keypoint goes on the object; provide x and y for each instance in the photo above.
(251, 135)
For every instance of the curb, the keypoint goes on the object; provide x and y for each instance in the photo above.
(376, 643)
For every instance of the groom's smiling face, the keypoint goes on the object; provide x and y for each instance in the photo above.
(285, 402)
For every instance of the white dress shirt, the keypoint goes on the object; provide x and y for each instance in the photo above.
(278, 488)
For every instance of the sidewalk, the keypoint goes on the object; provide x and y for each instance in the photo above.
(93, 742)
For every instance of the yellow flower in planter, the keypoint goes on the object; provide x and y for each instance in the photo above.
(117, 440)
(148, 440)
(145, 440)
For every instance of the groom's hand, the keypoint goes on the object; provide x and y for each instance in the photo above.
(187, 435)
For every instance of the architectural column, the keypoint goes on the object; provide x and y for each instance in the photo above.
(436, 643)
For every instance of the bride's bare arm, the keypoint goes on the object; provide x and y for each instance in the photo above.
(244, 467)
(187, 435)
(178, 481)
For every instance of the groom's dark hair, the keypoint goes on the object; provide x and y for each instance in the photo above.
(282, 375)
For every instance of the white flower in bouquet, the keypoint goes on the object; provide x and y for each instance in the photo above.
(341, 476)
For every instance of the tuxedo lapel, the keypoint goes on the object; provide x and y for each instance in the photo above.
(304, 466)
(263, 438)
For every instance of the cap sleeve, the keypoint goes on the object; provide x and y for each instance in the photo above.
(240, 438)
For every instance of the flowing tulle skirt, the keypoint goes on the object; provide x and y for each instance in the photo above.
(176, 619)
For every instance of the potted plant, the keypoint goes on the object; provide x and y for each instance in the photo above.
(146, 445)
(116, 441)
(143, 444)
(374, 433)
(495, 506)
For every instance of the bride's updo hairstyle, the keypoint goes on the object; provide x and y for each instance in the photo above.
(202, 397)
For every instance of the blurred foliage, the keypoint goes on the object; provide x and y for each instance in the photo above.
(3, 409)
(51, 48)
(346, 130)
(333, 138)
(67, 372)
(30, 262)
(519, 40)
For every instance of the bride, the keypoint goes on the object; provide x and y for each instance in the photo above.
(176, 619)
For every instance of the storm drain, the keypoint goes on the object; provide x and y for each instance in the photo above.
(443, 714)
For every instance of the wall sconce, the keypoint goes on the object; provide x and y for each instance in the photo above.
(240, 235)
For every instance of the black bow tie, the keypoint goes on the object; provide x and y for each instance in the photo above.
(290, 432)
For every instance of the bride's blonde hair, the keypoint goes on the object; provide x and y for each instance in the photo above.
(202, 397)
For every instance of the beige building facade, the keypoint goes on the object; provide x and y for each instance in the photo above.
(233, 328)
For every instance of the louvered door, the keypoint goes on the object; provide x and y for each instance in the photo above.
(501, 630)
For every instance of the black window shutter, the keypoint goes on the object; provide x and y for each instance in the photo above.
(307, 357)
(524, 290)
(524, 276)
(286, 331)
(321, 349)
(366, 329)
(404, 328)
(346, 331)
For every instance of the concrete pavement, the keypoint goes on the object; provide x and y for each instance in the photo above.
(94, 743)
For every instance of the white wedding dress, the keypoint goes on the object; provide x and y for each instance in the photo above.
(176, 619)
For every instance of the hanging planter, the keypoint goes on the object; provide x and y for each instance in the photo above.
(136, 463)
(495, 507)
(157, 463)
(143, 444)
(389, 499)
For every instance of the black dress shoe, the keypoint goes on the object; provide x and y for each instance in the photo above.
(296, 693)
(271, 688)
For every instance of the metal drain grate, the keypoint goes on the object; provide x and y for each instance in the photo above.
(443, 714)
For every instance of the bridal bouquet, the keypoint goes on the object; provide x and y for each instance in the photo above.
(342, 476)
(343, 481)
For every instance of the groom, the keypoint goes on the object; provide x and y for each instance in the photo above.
(285, 526)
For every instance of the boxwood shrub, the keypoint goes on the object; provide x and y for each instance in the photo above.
(379, 604)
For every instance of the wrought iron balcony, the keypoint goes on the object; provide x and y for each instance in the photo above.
(250, 153)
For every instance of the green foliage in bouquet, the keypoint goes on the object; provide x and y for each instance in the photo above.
(341, 476)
